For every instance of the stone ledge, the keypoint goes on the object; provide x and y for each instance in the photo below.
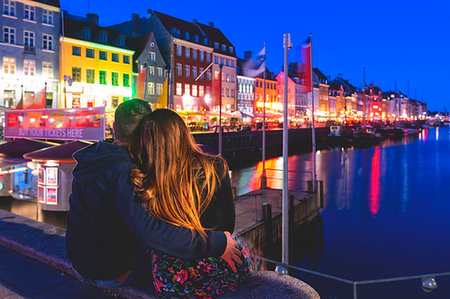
(45, 243)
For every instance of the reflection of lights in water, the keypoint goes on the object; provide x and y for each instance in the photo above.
(437, 133)
(374, 195)
(274, 174)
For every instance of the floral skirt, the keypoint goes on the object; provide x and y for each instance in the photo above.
(208, 277)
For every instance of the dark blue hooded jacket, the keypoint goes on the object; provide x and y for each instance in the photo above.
(107, 228)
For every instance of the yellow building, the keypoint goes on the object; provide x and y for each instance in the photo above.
(95, 66)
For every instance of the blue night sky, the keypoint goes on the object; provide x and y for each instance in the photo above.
(395, 40)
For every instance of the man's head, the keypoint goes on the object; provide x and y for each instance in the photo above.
(127, 117)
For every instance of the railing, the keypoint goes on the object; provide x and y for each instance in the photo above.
(428, 280)
(29, 50)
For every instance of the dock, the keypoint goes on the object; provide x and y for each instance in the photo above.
(258, 214)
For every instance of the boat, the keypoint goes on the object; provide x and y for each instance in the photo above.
(338, 137)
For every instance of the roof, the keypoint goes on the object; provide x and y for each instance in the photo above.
(49, 2)
(18, 147)
(138, 44)
(58, 152)
(74, 25)
(319, 74)
(171, 23)
(215, 35)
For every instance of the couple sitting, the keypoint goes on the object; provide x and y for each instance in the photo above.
(153, 201)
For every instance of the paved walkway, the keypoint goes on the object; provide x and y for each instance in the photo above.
(21, 277)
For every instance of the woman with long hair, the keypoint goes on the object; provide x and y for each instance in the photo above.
(184, 186)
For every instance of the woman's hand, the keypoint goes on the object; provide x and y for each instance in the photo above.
(231, 254)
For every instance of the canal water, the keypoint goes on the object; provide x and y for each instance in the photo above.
(386, 214)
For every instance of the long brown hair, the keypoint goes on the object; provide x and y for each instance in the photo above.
(174, 178)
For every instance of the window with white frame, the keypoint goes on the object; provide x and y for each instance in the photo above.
(9, 65)
(216, 59)
(201, 72)
(201, 90)
(9, 8)
(187, 70)
(29, 67)
(103, 37)
(159, 71)
(232, 63)
(152, 56)
(159, 89)
(9, 35)
(179, 50)
(216, 45)
(151, 88)
(194, 90)
(179, 69)
(47, 69)
(208, 57)
(227, 62)
(194, 72)
(28, 39)
(194, 54)
(29, 12)
(227, 77)
(151, 70)
(187, 52)
(224, 47)
(47, 42)
(121, 41)
(187, 89)
(86, 33)
(179, 89)
(221, 60)
(202, 55)
(47, 17)
(230, 49)
(232, 78)
(208, 75)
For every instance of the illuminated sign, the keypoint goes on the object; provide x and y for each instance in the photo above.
(60, 124)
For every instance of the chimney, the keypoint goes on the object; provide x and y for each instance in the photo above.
(149, 13)
(211, 24)
(135, 24)
(247, 55)
(92, 19)
(194, 21)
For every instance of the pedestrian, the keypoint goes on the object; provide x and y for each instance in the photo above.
(177, 182)
(108, 231)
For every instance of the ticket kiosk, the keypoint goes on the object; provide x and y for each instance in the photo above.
(54, 174)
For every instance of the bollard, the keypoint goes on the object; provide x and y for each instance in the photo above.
(233, 191)
(321, 194)
(267, 218)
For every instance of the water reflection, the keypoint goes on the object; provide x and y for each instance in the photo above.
(374, 192)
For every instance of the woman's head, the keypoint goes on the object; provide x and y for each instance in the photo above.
(173, 176)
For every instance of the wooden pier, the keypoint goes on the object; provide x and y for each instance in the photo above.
(258, 214)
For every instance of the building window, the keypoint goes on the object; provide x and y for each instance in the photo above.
(76, 74)
(201, 91)
(47, 42)
(186, 35)
(115, 57)
(208, 75)
(194, 72)
(152, 56)
(227, 76)
(221, 61)
(224, 47)
(179, 70)
(126, 59)
(126, 80)
(232, 78)
(159, 71)
(179, 50)
(227, 62)
(47, 69)
(90, 76)
(102, 77)
(230, 49)
(216, 75)
(202, 55)
(179, 89)
(205, 41)
(187, 89)
(103, 37)
(208, 57)
(216, 60)
(194, 54)
(28, 38)
(187, 52)
(201, 73)
(9, 8)
(216, 45)
(115, 78)
(232, 63)
(121, 41)
(9, 65)
(159, 89)
(151, 70)
(9, 35)
(29, 67)
(76, 51)
(227, 92)
(232, 93)
(187, 72)
(151, 88)
(103, 55)
(86, 33)
(194, 90)
(47, 17)
(29, 12)
(90, 53)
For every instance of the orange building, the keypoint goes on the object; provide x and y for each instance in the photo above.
(273, 105)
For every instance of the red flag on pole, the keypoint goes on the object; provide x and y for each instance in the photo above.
(216, 89)
(305, 67)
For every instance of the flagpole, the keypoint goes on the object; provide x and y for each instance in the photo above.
(313, 122)
(263, 176)
(285, 211)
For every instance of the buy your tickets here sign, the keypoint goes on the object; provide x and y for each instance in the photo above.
(62, 124)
